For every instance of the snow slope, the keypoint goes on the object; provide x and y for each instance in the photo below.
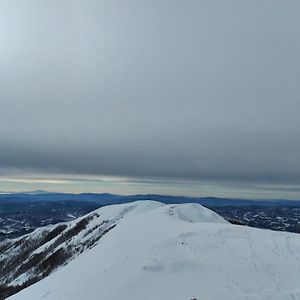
(176, 252)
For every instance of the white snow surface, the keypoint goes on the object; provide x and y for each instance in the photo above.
(177, 252)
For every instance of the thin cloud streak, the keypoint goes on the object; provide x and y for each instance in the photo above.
(24, 180)
(127, 186)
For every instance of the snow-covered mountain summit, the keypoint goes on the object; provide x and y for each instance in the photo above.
(151, 251)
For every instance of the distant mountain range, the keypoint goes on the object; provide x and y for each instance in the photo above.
(107, 199)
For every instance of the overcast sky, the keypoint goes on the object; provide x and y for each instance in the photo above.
(164, 91)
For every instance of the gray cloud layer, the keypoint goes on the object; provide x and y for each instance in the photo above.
(184, 89)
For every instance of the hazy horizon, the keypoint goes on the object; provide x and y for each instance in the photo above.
(132, 186)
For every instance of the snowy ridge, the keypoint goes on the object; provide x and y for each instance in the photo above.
(148, 250)
(34, 256)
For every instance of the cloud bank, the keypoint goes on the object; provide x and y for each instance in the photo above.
(197, 90)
